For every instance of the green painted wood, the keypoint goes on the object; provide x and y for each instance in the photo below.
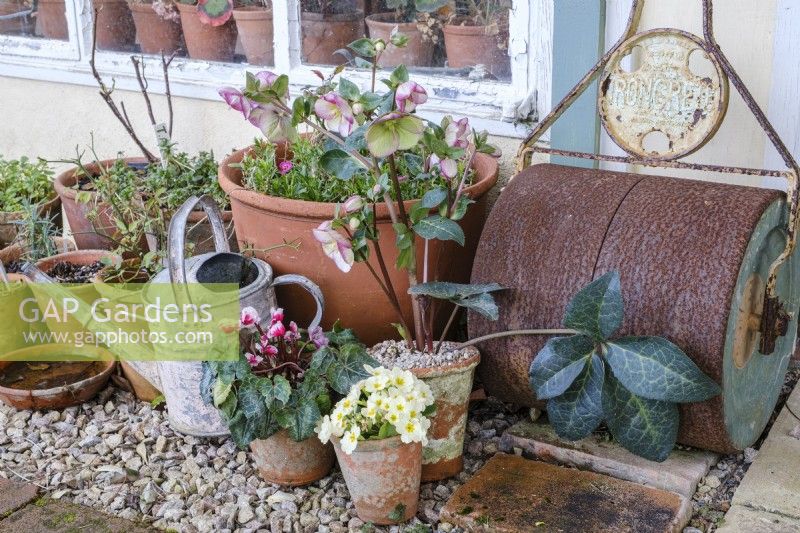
(578, 42)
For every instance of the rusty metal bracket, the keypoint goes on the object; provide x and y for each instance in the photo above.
(709, 98)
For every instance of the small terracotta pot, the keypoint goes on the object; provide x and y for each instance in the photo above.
(324, 34)
(15, 251)
(155, 34)
(418, 52)
(87, 292)
(57, 397)
(115, 29)
(9, 227)
(142, 388)
(283, 461)
(15, 26)
(382, 475)
(254, 25)
(52, 18)
(451, 385)
(204, 41)
(467, 46)
(354, 298)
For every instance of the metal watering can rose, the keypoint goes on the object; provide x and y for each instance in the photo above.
(179, 381)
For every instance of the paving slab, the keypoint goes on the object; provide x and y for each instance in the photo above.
(55, 516)
(741, 519)
(772, 483)
(680, 473)
(511, 494)
(15, 494)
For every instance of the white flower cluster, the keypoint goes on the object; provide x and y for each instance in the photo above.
(388, 399)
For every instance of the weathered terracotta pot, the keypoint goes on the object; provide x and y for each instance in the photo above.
(354, 298)
(204, 41)
(283, 461)
(467, 46)
(15, 26)
(324, 34)
(57, 397)
(254, 25)
(115, 29)
(155, 34)
(418, 52)
(52, 18)
(451, 385)
(88, 292)
(382, 475)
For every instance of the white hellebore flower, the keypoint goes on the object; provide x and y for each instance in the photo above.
(335, 246)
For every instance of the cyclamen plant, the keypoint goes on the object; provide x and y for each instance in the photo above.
(367, 133)
(386, 404)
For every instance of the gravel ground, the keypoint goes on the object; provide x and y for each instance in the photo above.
(120, 456)
(397, 353)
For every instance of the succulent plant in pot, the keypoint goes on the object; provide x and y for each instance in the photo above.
(328, 26)
(208, 28)
(254, 24)
(158, 26)
(476, 33)
(276, 394)
(416, 20)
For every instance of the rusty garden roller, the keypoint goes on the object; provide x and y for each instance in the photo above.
(713, 267)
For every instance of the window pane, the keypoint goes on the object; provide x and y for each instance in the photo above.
(468, 38)
(17, 18)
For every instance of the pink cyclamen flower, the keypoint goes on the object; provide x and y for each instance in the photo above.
(249, 317)
(335, 113)
(276, 315)
(293, 333)
(284, 167)
(253, 359)
(317, 336)
(236, 100)
(276, 330)
(409, 95)
(457, 133)
(267, 349)
(353, 204)
(335, 246)
(448, 167)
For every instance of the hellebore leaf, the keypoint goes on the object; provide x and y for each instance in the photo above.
(474, 297)
(578, 412)
(597, 309)
(654, 368)
(645, 427)
(438, 227)
(558, 364)
(340, 164)
(348, 89)
(363, 47)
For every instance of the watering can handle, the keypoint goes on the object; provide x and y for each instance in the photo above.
(176, 238)
(312, 288)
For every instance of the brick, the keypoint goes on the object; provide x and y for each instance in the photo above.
(511, 494)
(15, 494)
(680, 473)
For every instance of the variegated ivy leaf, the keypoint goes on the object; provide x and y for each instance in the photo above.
(597, 310)
(558, 364)
(578, 412)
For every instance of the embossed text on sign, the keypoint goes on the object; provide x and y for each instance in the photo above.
(662, 95)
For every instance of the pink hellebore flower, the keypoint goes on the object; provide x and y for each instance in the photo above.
(335, 112)
(335, 246)
(266, 78)
(284, 167)
(274, 125)
(353, 204)
(457, 133)
(236, 100)
(409, 95)
(249, 317)
(317, 336)
(253, 359)
(448, 167)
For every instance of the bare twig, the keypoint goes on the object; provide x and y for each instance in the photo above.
(165, 63)
(142, 79)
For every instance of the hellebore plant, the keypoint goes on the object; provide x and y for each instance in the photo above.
(372, 135)
(388, 403)
(286, 377)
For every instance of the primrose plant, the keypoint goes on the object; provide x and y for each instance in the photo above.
(632, 383)
(373, 135)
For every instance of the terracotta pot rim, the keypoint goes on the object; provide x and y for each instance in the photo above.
(82, 384)
(324, 210)
(334, 17)
(253, 12)
(469, 30)
(458, 367)
(388, 19)
(73, 257)
(376, 445)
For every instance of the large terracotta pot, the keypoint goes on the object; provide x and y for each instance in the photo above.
(90, 234)
(115, 29)
(355, 298)
(443, 457)
(418, 52)
(467, 46)
(155, 34)
(15, 26)
(204, 41)
(53, 19)
(383, 477)
(254, 25)
(324, 34)
(283, 461)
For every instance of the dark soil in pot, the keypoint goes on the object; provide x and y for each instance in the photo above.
(74, 273)
(25, 375)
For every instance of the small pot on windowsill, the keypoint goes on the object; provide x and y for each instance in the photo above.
(52, 18)
(254, 24)
(468, 45)
(204, 41)
(324, 34)
(115, 29)
(154, 33)
(417, 53)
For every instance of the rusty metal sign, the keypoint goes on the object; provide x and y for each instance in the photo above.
(662, 96)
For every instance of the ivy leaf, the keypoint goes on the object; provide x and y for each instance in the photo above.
(654, 368)
(438, 227)
(340, 164)
(348, 368)
(299, 417)
(221, 391)
(578, 412)
(597, 310)
(558, 364)
(282, 389)
(645, 427)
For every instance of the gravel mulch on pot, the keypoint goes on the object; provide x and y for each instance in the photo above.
(119, 455)
(71, 273)
(397, 353)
